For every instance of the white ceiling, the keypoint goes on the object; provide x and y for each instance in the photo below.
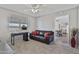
(44, 9)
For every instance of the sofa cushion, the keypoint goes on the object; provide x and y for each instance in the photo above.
(40, 37)
(51, 32)
(41, 34)
(34, 33)
(46, 35)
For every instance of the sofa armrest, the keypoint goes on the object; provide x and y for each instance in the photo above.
(50, 38)
(30, 35)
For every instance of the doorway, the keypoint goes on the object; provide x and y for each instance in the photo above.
(62, 30)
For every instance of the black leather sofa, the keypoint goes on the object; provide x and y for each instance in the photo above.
(41, 38)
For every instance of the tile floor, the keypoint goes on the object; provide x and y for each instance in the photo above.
(35, 47)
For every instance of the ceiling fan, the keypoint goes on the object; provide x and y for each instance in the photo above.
(35, 8)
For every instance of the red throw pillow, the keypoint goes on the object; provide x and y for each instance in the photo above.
(46, 35)
(34, 33)
(37, 33)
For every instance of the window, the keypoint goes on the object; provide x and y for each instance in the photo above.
(17, 21)
(24, 25)
(13, 25)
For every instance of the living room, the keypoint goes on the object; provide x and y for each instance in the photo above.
(25, 20)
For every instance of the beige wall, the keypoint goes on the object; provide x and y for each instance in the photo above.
(32, 24)
(72, 19)
(50, 19)
(4, 30)
(46, 22)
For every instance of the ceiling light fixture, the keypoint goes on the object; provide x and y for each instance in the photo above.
(35, 8)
